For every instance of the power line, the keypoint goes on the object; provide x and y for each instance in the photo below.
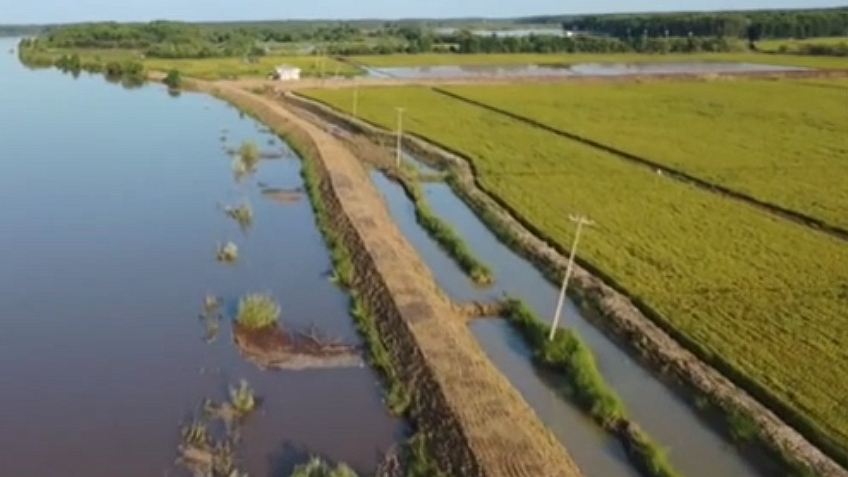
(580, 221)
(399, 135)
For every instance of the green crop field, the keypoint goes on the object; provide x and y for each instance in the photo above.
(572, 58)
(766, 295)
(792, 45)
(779, 141)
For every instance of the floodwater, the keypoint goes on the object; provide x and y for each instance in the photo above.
(511, 32)
(110, 226)
(694, 448)
(578, 69)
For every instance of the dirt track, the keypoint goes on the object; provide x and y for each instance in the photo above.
(620, 316)
(479, 425)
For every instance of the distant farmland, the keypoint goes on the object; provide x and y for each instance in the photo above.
(761, 293)
(774, 140)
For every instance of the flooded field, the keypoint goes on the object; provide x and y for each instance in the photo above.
(693, 447)
(579, 69)
(115, 203)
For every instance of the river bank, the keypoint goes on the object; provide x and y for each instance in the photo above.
(618, 316)
(479, 425)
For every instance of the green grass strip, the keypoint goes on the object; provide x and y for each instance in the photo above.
(448, 239)
(569, 356)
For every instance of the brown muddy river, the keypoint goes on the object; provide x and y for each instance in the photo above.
(111, 215)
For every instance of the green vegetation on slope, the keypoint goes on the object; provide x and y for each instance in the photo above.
(443, 233)
(777, 141)
(761, 298)
(568, 355)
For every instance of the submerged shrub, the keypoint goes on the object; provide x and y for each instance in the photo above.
(257, 311)
(242, 213)
(227, 252)
(174, 79)
(196, 434)
(318, 468)
(248, 155)
(242, 398)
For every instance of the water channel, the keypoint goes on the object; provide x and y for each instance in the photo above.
(110, 226)
(694, 448)
(577, 69)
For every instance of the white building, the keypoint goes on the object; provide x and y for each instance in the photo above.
(286, 72)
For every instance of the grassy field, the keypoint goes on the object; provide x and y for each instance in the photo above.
(217, 68)
(792, 45)
(767, 296)
(779, 141)
(563, 58)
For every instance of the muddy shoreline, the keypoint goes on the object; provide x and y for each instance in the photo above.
(479, 425)
(629, 321)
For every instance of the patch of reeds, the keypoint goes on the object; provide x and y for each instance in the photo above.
(569, 356)
(210, 317)
(257, 311)
(227, 252)
(242, 214)
(202, 455)
(445, 235)
(316, 467)
(248, 154)
(196, 434)
(242, 398)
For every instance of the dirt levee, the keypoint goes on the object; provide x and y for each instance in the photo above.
(479, 425)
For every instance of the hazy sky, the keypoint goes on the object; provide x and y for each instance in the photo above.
(60, 11)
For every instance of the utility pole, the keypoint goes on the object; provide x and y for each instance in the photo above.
(580, 221)
(399, 135)
(355, 97)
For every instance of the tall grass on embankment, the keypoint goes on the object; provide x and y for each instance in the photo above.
(448, 239)
(398, 399)
(567, 355)
(417, 460)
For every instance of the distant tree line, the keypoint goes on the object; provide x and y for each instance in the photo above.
(649, 33)
(182, 40)
(752, 25)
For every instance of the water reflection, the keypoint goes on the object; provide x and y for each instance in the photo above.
(579, 69)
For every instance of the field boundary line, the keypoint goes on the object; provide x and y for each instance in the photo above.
(639, 327)
(676, 174)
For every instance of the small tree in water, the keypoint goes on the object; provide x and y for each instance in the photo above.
(318, 468)
(248, 154)
(173, 79)
(242, 398)
(257, 311)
